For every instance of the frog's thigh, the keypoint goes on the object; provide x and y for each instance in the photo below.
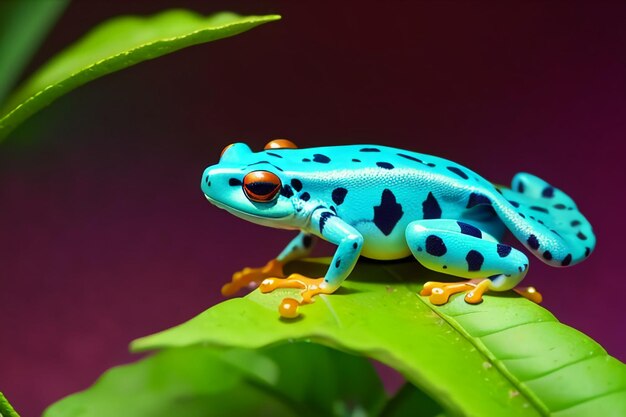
(458, 248)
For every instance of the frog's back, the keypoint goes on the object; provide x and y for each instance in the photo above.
(379, 190)
(357, 158)
(367, 165)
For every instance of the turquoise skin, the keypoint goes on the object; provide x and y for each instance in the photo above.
(387, 203)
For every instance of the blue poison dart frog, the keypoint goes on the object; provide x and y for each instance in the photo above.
(386, 203)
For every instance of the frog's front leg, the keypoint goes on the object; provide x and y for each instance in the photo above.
(458, 248)
(349, 242)
(298, 248)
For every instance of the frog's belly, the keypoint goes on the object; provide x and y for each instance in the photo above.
(381, 247)
(385, 252)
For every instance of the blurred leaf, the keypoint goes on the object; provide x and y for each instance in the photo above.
(23, 25)
(289, 380)
(328, 382)
(409, 401)
(117, 44)
(5, 408)
(506, 356)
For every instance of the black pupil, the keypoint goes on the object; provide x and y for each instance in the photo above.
(261, 188)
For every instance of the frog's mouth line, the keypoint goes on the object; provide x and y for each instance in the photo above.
(236, 212)
(243, 215)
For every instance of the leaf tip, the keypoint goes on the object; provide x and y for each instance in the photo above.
(138, 345)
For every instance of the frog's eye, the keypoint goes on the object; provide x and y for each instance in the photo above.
(261, 186)
(280, 144)
(225, 149)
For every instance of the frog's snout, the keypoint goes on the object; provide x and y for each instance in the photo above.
(206, 181)
(220, 182)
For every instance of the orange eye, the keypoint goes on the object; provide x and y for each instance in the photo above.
(280, 143)
(261, 186)
(225, 149)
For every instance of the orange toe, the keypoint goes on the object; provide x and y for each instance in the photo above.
(439, 292)
(529, 293)
(309, 286)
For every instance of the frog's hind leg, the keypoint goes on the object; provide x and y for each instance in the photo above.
(461, 249)
(545, 220)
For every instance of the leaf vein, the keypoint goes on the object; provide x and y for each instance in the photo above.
(565, 365)
(505, 329)
(605, 394)
(331, 309)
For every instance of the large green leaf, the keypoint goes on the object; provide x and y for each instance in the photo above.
(201, 381)
(117, 44)
(506, 356)
(5, 408)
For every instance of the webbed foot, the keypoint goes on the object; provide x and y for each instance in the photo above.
(440, 292)
(247, 276)
(309, 286)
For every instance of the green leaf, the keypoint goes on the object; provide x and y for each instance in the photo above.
(506, 356)
(327, 382)
(201, 381)
(117, 44)
(5, 408)
(23, 25)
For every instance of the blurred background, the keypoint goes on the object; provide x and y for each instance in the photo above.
(106, 237)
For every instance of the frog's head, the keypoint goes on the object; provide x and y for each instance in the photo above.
(246, 186)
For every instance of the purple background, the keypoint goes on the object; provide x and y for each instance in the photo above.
(105, 235)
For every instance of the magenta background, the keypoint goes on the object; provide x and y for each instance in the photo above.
(105, 235)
